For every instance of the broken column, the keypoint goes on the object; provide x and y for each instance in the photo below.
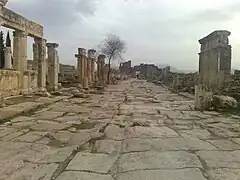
(41, 64)
(81, 56)
(52, 65)
(90, 66)
(101, 69)
(7, 58)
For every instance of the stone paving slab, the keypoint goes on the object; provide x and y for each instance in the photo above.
(181, 174)
(108, 146)
(98, 163)
(14, 110)
(224, 173)
(220, 159)
(171, 144)
(158, 160)
(150, 132)
(71, 175)
(32, 172)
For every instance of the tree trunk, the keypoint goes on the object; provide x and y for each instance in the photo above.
(109, 70)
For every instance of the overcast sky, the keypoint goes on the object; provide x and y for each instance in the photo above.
(156, 31)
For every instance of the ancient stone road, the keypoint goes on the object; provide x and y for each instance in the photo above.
(135, 131)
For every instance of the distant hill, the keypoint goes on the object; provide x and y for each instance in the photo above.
(175, 70)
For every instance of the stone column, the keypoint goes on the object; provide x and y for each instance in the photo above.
(35, 56)
(20, 57)
(101, 69)
(90, 63)
(93, 70)
(42, 68)
(52, 65)
(81, 56)
(8, 58)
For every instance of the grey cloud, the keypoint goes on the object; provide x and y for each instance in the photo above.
(55, 15)
(222, 14)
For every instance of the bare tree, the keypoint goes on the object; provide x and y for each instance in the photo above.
(113, 48)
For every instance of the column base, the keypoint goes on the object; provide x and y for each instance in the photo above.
(42, 89)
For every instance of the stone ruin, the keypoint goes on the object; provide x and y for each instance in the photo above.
(17, 76)
(91, 70)
(214, 72)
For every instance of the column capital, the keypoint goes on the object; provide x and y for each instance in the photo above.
(22, 34)
(91, 53)
(82, 51)
(53, 45)
(101, 57)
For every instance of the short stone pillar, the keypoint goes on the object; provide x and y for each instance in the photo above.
(101, 69)
(90, 74)
(8, 58)
(202, 98)
(52, 65)
(81, 57)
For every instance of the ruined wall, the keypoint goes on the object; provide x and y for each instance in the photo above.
(9, 83)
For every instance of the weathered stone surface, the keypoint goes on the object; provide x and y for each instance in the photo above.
(31, 137)
(71, 175)
(157, 160)
(224, 144)
(147, 132)
(32, 171)
(108, 146)
(171, 144)
(236, 140)
(22, 118)
(14, 135)
(6, 130)
(196, 133)
(114, 132)
(49, 115)
(56, 155)
(79, 138)
(224, 173)
(181, 174)
(221, 159)
(48, 126)
(92, 162)
(14, 110)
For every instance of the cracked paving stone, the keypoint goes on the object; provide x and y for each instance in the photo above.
(172, 144)
(173, 174)
(220, 159)
(14, 135)
(196, 133)
(31, 137)
(148, 132)
(236, 140)
(224, 144)
(22, 118)
(224, 173)
(48, 115)
(56, 155)
(108, 146)
(114, 132)
(98, 163)
(69, 175)
(158, 160)
(48, 126)
(32, 172)
(6, 131)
